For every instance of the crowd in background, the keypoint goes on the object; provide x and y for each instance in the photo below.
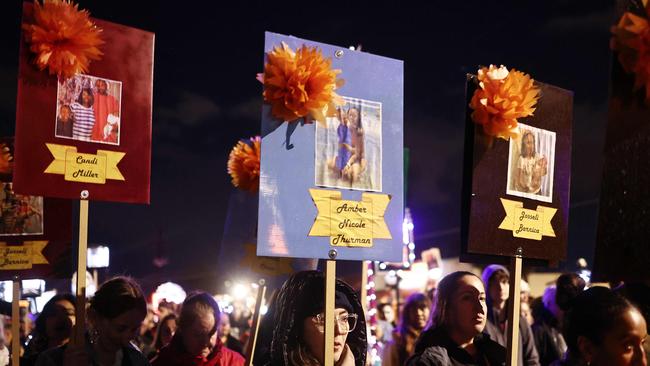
(463, 321)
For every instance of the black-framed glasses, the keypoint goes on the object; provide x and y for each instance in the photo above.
(346, 322)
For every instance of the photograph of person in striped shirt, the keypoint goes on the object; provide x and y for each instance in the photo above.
(84, 115)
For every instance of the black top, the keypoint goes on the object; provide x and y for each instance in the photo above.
(436, 348)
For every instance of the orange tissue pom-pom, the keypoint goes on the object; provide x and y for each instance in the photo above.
(501, 98)
(244, 164)
(63, 38)
(631, 40)
(300, 84)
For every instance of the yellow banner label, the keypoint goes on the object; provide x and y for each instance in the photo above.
(350, 223)
(87, 168)
(22, 256)
(525, 223)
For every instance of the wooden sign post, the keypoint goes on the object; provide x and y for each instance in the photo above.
(82, 253)
(257, 315)
(330, 286)
(514, 309)
(15, 323)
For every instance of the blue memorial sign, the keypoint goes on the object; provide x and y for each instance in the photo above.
(334, 181)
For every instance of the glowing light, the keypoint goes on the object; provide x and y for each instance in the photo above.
(98, 257)
(435, 273)
(264, 309)
(239, 291)
(405, 233)
(170, 292)
(382, 265)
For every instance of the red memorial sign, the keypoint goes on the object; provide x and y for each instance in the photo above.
(88, 131)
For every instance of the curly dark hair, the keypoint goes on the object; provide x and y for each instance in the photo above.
(294, 302)
(90, 94)
(594, 313)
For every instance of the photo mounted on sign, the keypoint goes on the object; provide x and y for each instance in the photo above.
(531, 163)
(19, 215)
(348, 147)
(88, 109)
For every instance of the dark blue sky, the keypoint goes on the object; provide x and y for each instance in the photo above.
(206, 98)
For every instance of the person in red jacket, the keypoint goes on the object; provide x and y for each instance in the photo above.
(196, 343)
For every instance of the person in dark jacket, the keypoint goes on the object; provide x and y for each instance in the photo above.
(226, 338)
(116, 311)
(454, 336)
(496, 279)
(602, 328)
(298, 337)
(53, 327)
(547, 328)
(195, 342)
(415, 316)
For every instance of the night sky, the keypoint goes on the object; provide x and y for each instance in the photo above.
(206, 98)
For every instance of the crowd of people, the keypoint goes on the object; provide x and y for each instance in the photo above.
(462, 322)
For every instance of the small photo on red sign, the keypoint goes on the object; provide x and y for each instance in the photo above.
(88, 109)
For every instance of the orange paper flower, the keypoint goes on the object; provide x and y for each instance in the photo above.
(632, 42)
(502, 96)
(63, 38)
(244, 164)
(300, 84)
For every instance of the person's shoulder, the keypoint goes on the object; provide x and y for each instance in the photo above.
(492, 350)
(231, 358)
(431, 356)
(135, 356)
(53, 356)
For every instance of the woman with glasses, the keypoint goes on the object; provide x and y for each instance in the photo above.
(454, 335)
(298, 335)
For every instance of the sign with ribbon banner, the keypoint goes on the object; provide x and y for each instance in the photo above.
(331, 167)
(89, 131)
(35, 231)
(523, 168)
